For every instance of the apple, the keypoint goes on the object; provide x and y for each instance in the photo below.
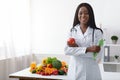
(71, 41)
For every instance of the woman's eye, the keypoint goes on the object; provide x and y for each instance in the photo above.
(86, 13)
(80, 13)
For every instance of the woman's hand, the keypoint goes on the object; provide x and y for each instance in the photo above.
(71, 42)
(93, 49)
(72, 45)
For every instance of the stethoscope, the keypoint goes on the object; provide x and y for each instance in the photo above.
(74, 30)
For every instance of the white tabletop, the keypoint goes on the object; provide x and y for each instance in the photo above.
(26, 74)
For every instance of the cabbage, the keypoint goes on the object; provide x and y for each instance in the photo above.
(56, 64)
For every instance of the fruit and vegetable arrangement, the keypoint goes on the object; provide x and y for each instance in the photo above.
(49, 66)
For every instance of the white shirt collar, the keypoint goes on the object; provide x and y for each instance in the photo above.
(88, 31)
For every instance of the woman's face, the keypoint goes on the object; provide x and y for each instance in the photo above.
(83, 15)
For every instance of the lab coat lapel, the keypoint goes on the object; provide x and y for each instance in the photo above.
(88, 31)
(79, 31)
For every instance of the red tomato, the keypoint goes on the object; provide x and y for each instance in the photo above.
(49, 65)
(38, 72)
(55, 72)
(42, 73)
(71, 41)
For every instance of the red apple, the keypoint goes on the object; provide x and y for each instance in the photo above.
(71, 41)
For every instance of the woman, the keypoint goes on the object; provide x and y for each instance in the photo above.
(82, 65)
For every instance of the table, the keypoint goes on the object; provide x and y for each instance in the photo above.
(26, 75)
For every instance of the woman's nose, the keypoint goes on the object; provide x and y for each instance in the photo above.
(83, 15)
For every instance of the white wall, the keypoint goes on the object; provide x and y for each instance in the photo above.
(52, 20)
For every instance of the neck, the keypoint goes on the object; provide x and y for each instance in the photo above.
(83, 28)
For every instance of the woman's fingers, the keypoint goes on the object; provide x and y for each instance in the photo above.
(72, 45)
(96, 48)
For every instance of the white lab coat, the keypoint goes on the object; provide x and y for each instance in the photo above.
(81, 64)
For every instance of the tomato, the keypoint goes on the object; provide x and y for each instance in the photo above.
(71, 41)
(42, 73)
(49, 65)
(55, 72)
